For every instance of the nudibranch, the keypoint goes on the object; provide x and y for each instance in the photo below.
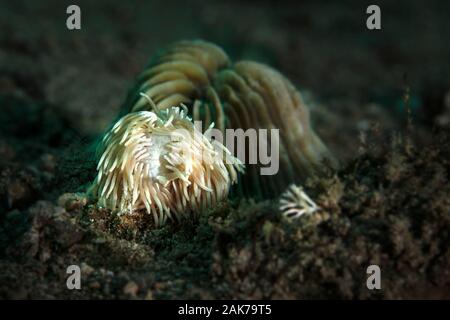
(159, 162)
(155, 159)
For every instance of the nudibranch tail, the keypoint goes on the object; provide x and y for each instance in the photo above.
(178, 74)
(255, 96)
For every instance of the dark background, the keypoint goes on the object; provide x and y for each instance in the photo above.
(352, 77)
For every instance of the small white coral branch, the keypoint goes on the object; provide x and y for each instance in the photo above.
(294, 203)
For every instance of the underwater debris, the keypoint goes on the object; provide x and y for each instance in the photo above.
(295, 202)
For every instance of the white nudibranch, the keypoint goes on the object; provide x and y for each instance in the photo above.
(159, 162)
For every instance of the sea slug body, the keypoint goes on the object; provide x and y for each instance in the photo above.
(160, 162)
